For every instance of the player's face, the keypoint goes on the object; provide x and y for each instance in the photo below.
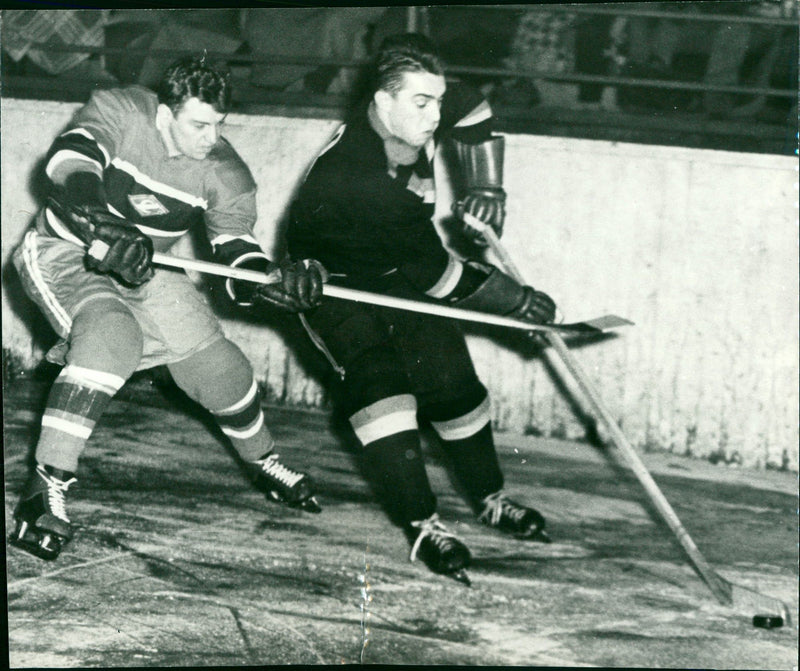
(195, 128)
(413, 111)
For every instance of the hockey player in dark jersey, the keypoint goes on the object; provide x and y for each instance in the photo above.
(365, 211)
(134, 172)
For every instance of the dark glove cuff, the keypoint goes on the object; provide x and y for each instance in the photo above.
(244, 292)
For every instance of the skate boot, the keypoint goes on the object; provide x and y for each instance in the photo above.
(283, 484)
(42, 524)
(500, 512)
(441, 551)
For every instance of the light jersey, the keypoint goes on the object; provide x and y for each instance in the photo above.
(115, 135)
(365, 218)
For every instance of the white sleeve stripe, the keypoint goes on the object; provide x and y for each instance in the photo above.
(224, 238)
(158, 233)
(159, 187)
(68, 155)
(449, 279)
(480, 113)
(55, 223)
(87, 134)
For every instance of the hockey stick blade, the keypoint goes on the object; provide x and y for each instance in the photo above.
(602, 324)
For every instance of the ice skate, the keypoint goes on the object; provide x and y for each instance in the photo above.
(441, 551)
(42, 525)
(500, 512)
(283, 484)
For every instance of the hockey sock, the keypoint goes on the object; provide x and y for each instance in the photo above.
(467, 439)
(220, 379)
(243, 423)
(77, 399)
(392, 456)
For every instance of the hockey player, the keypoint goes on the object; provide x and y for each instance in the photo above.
(365, 212)
(136, 171)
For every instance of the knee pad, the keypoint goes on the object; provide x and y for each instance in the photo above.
(217, 377)
(106, 336)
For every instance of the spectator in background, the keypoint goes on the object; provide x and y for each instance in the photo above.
(559, 42)
(717, 53)
(56, 28)
(324, 32)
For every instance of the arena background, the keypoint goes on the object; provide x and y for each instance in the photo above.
(697, 247)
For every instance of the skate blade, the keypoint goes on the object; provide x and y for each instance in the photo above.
(460, 576)
(310, 505)
(46, 547)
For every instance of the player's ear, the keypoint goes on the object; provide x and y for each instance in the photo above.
(382, 99)
(164, 114)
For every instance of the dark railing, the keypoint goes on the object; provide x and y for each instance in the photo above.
(670, 128)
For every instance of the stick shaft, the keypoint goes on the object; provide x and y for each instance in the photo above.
(352, 294)
(719, 587)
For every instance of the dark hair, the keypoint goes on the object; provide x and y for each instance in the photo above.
(192, 77)
(398, 54)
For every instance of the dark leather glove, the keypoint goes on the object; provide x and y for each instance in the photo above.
(487, 204)
(536, 307)
(129, 252)
(300, 287)
(115, 245)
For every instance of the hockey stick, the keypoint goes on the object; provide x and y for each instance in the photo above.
(599, 325)
(726, 592)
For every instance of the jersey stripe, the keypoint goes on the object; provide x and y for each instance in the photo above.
(71, 156)
(85, 133)
(480, 113)
(159, 187)
(449, 279)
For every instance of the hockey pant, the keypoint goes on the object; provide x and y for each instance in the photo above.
(397, 366)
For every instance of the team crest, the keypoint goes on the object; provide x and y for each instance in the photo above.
(147, 205)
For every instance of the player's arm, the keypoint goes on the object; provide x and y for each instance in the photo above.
(480, 156)
(229, 221)
(77, 203)
(478, 286)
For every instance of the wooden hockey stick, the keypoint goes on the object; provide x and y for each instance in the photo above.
(726, 592)
(599, 325)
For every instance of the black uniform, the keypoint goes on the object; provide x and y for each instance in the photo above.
(368, 219)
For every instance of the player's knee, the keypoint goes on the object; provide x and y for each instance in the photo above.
(216, 377)
(105, 335)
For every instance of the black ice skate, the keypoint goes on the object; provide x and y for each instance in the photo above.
(283, 484)
(42, 523)
(441, 551)
(502, 513)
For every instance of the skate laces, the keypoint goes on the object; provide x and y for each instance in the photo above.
(497, 505)
(55, 493)
(274, 468)
(432, 528)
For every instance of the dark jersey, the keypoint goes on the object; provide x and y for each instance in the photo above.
(115, 136)
(364, 218)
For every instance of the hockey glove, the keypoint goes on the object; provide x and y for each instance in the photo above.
(501, 294)
(487, 204)
(125, 251)
(299, 289)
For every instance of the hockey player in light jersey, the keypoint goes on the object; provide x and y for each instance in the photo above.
(365, 211)
(137, 170)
